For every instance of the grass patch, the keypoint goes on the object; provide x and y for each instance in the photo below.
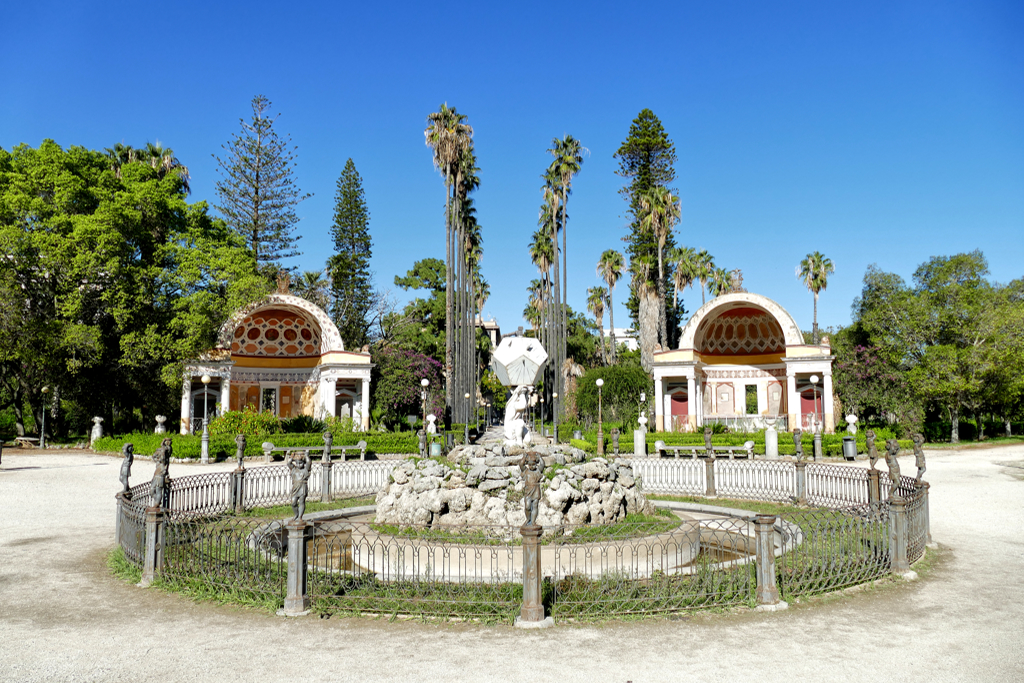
(760, 507)
(122, 568)
(280, 511)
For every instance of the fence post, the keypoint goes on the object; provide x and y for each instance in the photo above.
(296, 601)
(767, 590)
(873, 490)
(709, 469)
(153, 562)
(531, 614)
(268, 451)
(801, 482)
(326, 467)
(898, 538)
(238, 489)
(923, 487)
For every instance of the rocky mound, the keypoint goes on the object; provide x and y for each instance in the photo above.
(481, 485)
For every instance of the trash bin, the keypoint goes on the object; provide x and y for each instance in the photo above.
(850, 447)
(577, 434)
(435, 450)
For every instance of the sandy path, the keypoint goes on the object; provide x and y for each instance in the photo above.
(64, 618)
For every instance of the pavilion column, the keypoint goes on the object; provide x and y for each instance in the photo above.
(793, 401)
(186, 405)
(364, 409)
(827, 405)
(225, 394)
(691, 404)
(328, 394)
(659, 405)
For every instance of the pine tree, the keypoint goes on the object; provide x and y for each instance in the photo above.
(258, 193)
(349, 268)
(647, 159)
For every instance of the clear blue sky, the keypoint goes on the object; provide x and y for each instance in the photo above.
(875, 132)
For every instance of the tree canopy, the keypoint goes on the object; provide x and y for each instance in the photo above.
(349, 267)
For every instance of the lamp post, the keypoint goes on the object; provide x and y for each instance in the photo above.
(204, 453)
(554, 414)
(600, 424)
(467, 419)
(817, 422)
(423, 401)
(42, 432)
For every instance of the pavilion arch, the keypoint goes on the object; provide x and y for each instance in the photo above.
(281, 354)
(742, 361)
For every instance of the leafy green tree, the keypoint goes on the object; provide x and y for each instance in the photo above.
(646, 160)
(420, 326)
(312, 286)
(257, 193)
(397, 374)
(813, 271)
(349, 267)
(109, 283)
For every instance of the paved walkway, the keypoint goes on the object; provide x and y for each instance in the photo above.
(64, 618)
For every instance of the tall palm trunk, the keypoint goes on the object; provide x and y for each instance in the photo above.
(564, 332)
(556, 355)
(814, 327)
(648, 324)
(661, 297)
(600, 337)
(611, 325)
(449, 295)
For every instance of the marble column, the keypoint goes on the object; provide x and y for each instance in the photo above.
(659, 405)
(691, 404)
(364, 409)
(225, 394)
(186, 405)
(793, 401)
(327, 399)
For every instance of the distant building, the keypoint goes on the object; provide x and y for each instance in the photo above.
(491, 328)
(623, 335)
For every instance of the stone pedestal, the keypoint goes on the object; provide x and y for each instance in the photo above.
(801, 483)
(639, 442)
(154, 553)
(873, 490)
(767, 589)
(709, 475)
(771, 443)
(817, 446)
(533, 606)
(296, 601)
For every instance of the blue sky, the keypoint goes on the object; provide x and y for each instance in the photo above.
(874, 132)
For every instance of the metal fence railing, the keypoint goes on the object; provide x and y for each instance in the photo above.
(658, 563)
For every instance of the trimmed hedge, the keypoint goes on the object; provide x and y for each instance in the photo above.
(223, 447)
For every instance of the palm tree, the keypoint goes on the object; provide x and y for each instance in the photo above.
(595, 304)
(552, 198)
(704, 268)
(662, 211)
(813, 271)
(720, 282)
(647, 309)
(685, 261)
(448, 135)
(568, 153)
(121, 155)
(313, 287)
(163, 160)
(609, 269)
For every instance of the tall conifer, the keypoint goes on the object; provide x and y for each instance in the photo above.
(349, 268)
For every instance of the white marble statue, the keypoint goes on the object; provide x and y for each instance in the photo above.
(97, 430)
(431, 424)
(516, 431)
(851, 423)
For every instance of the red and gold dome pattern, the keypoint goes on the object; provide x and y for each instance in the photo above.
(276, 333)
(741, 331)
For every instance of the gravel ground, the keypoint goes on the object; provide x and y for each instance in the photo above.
(63, 617)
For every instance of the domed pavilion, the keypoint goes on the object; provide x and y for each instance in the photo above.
(742, 359)
(282, 354)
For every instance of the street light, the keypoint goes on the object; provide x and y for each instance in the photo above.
(204, 453)
(600, 425)
(554, 413)
(814, 385)
(423, 401)
(42, 432)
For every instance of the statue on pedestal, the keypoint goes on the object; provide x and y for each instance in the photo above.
(516, 431)
(160, 488)
(128, 450)
(872, 451)
(919, 456)
(798, 444)
(240, 450)
(892, 449)
(299, 466)
(707, 441)
(532, 468)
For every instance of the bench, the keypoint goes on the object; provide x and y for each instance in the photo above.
(26, 441)
(744, 451)
(269, 449)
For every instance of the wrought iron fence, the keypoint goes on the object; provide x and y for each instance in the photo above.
(659, 564)
(823, 550)
(755, 479)
(463, 572)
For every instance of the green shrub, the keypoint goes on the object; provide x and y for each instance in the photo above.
(223, 447)
(247, 421)
(302, 424)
